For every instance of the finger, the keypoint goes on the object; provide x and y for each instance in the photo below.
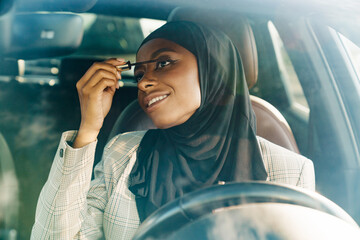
(95, 67)
(116, 61)
(105, 84)
(98, 76)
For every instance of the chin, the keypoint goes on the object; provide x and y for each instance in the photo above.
(166, 122)
(163, 124)
(169, 121)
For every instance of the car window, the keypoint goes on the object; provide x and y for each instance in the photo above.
(353, 51)
(150, 25)
(40, 71)
(287, 73)
(109, 36)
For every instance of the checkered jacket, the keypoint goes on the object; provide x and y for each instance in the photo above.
(71, 206)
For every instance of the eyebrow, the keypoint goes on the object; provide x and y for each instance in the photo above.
(161, 50)
(157, 53)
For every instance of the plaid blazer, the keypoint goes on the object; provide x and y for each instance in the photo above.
(71, 206)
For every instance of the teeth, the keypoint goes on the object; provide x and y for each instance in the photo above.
(154, 100)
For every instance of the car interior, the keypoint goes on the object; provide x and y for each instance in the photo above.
(288, 79)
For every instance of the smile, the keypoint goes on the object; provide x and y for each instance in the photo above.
(157, 99)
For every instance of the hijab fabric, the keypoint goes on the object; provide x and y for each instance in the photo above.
(217, 143)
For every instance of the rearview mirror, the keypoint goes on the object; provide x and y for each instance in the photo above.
(39, 35)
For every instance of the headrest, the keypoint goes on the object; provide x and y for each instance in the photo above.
(235, 26)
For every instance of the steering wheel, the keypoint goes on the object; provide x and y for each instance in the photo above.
(206, 202)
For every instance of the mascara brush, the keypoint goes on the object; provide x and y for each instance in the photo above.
(127, 66)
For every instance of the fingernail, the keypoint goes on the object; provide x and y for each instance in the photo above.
(118, 75)
(120, 59)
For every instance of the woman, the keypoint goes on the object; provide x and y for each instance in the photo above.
(196, 94)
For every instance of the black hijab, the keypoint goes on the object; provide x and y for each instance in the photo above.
(217, 143)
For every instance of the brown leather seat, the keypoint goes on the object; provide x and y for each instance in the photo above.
(271, 125)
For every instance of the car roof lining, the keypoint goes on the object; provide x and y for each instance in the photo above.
(160, 9)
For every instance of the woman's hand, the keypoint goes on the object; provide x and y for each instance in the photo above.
(96, 90)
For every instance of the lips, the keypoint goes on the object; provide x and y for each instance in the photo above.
(156, 99)
(153, 99)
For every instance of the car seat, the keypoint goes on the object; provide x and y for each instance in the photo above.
(271, 125)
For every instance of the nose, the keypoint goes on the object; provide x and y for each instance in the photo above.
(146, 82)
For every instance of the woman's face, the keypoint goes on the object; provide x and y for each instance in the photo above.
(168, 89)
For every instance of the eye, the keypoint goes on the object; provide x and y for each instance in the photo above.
(161, 63)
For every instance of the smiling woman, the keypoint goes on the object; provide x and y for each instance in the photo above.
(169, 92)
(196, 94)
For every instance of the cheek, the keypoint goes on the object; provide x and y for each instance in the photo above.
(192, 95)
(190, 88)
(140, 99)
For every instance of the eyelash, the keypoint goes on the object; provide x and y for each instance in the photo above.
(139, 76)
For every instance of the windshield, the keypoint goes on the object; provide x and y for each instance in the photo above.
(307, 70)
